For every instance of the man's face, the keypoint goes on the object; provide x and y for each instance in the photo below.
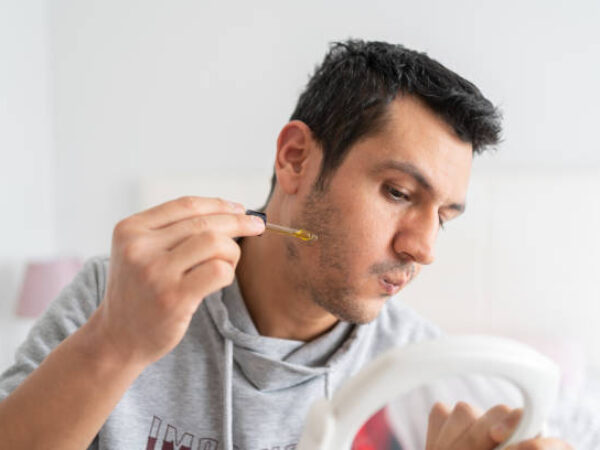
(378, 218)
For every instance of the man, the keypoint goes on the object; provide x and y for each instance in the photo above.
(189, 337)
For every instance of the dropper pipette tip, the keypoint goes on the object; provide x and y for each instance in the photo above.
(295, 232)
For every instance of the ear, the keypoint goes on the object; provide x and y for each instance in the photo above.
(296, 153)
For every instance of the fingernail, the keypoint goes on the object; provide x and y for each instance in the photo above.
(499, 432)
(237, 207)
(257, 222)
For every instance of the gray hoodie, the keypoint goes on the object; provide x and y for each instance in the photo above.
(224, 386)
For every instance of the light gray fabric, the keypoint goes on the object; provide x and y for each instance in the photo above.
(224, 383)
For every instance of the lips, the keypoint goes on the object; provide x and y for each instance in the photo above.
(391, 285)
(394, 280)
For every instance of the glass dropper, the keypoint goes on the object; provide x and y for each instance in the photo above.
(295, 232)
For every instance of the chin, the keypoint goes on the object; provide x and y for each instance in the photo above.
(361, 314)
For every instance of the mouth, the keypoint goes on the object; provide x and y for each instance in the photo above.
(391, 286)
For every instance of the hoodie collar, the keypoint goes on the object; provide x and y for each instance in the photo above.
(272, 363)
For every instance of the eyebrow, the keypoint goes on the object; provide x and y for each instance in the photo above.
(417, 175)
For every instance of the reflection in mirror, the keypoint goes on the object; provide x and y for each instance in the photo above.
(467, 408)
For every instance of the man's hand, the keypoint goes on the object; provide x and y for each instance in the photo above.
(465, 428)
(163, 262)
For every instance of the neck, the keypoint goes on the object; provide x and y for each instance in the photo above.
(276, 301)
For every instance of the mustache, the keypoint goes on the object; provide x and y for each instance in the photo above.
(407, 268)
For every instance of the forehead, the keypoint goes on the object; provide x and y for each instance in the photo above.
(414, 135)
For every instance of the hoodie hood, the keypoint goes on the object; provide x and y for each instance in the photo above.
(272, 364)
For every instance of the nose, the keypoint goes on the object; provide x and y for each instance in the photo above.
(415, 237)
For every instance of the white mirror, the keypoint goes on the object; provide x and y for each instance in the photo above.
(406, 422)
(482, 370)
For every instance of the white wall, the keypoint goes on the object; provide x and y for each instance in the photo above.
(152, 87)
(144, 89)
(27, 165)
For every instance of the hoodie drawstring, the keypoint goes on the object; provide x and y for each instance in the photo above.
(328, 385)
(227, 403)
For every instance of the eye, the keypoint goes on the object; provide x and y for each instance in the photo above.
(399, 196)
(395, 194)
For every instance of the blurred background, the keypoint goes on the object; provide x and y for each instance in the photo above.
(107, 107)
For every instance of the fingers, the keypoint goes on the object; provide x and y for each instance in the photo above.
(232, 225)
(503, 428)
(164, 261)
(464, 428)
(183, 208)
(204, 255)
(437, 417)
(198, 249)
(205, 279)
(461, 418)
(478, 435)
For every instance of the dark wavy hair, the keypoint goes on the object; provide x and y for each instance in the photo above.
(347, 97)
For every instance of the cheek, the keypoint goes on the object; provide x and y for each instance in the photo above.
(364, 216)
(373, 231)
(369, 230)
(365, 252)
(355, 227)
